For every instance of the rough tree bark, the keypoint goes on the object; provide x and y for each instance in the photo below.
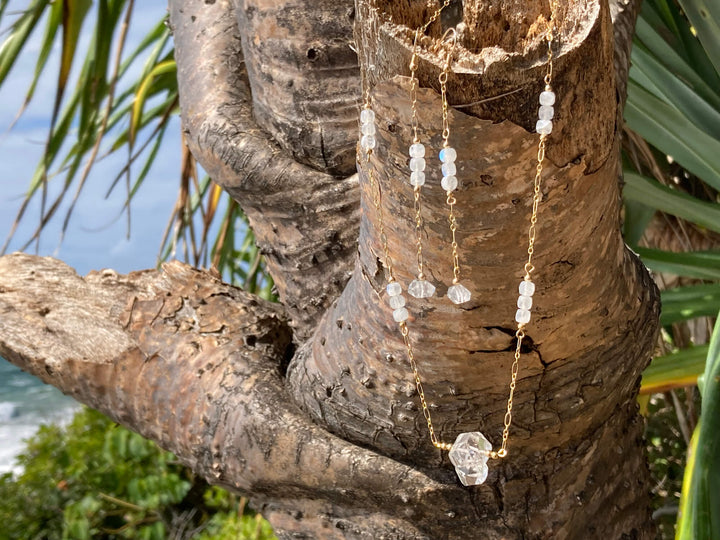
(308, 406)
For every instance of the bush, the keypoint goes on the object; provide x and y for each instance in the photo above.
(95, 479)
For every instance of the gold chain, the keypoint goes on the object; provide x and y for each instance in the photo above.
(418, 385)
(532, 230)
(451, 201)
(418, 229)
(532, 233)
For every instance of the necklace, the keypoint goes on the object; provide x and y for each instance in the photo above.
(471, 450)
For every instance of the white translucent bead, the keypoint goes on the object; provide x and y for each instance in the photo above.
(367, 129)
(458, 294)
(417, 178)
(448, 154)
(524, 302)
(393, 288)
(522, 316)
(546, 112)
(396, 302)
(543, 127)
(417, 150)
(547, 98)
(526, 288)
(367, 142)
(367, 116)
(401, 315)
(448, 169)
(421, 288)
(449, 183)
(417, 164)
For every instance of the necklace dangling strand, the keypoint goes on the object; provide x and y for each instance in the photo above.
(471, 451)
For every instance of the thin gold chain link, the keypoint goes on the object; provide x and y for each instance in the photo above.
(418, 232)
(451, 200)
(421, 392)
(532, 234)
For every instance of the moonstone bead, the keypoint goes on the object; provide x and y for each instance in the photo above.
(367, 129)
(367, 116)
(367, 142)
(524, 302)
(522, 316)
(393, 288)
(547, 98)
(526, 288)
(417, 150)
(417, 178)
(447, 154)
(449, 183)
(421, 288)
(396, 302)
(448, 169)
(543, 127)
(469, 454)
(417, 164)
(546, 112)
(401, 314)
(458, 294)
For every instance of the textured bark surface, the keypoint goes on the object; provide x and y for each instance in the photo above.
(305, 221)
(589, 316)
(268, 94)
(303, 74)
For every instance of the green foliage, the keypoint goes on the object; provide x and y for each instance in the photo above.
(121, 101)
(94, 479)
(674, 104)
(699, 517)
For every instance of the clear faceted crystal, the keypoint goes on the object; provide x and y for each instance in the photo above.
(469, 454)
(393, 288)
(449, 183)
(396, 302)
(417, 150)
(447, 154)
(421, 288)
(458, 294)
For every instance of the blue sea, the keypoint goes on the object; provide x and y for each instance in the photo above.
(25, 403)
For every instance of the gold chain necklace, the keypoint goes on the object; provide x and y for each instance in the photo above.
(471, 450)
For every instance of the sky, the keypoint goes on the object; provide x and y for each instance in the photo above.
(97, 234)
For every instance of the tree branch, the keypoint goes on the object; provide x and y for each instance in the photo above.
(193, 364)
(305, 221)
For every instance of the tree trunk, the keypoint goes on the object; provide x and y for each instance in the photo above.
(309, 407)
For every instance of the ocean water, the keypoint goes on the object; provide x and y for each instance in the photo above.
(25, 403)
